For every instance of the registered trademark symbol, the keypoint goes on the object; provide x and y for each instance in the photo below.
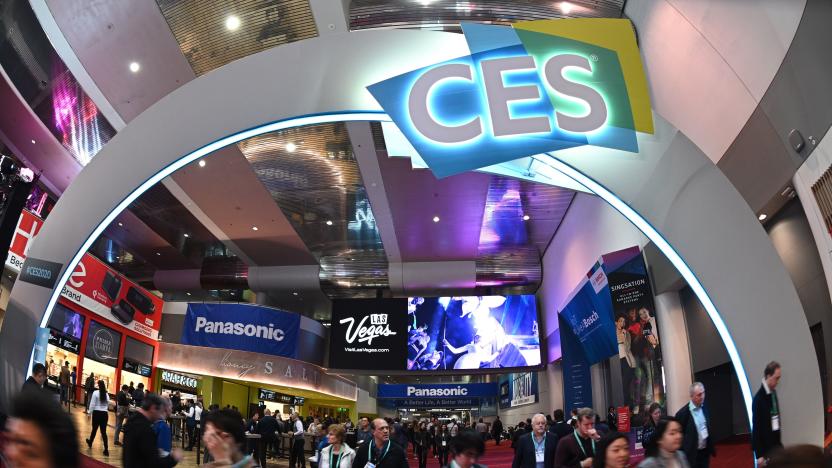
(593, 57)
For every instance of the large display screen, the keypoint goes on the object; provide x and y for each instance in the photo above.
(103, 344)
(474, 332)
(435, 333)
(66, 321)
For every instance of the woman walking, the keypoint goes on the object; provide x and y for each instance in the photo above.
(422, 438)
(98, 408)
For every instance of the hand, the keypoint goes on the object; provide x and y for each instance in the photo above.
(761, 461)
(586, 463)
(177, 454)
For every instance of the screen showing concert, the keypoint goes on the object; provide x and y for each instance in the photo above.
(474, 332)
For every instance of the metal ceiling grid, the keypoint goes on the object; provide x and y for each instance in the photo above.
(313, 176)
(367, 14)
(208, 43)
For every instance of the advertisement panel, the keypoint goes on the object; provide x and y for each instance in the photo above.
(101, 290)
(637, 332)
(518, 390)
(476, 332)
(103, 344)
(28, 226)
(368, 334)
(485, 390)
(577, 381)
(242, 326)
(589, 316)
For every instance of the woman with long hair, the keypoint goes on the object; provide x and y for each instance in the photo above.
(98, 408)
(613, 451)
(663, 449)
(651, 421)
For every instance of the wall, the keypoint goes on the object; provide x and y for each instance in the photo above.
(235, 395)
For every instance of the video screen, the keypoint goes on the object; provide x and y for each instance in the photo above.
(66, 321)
(473, 332)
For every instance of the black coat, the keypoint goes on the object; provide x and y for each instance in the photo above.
(524, 456)
(497, 427)
(763, 439)
(140, 449)
(267, 427)
(690, 441)
(561, 429)
(518, 433)
(394, 458)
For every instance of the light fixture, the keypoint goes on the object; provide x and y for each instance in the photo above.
(188, 293)
(186, 235)
(201, 163)
(566, 7)
(33, 142)
(255, 228)
(291, 147)
(329, 222)
(158, 254)
(295, 293)
(135, 67)
(526, 217)
(120, 224)
(436, 219)
(232, 23)
(762, 217)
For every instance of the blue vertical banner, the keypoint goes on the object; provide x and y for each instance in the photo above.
(41, 342)
(577, 381)
(588, 315)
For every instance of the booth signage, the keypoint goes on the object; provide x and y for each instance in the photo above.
(129, 365)
(28, 226)
(40, 272)
(102, 344)
(277, 397)
(536, 87)
(62, 341)
(254, 367)
(179, 380)
(486, 390)
(243, 327)
(518, 390)
(97, 288)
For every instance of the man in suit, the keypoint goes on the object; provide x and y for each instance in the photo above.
(696, 424)
(381, 452)
(536, 447)
(560, 428)
(518, 433)
(765, 435)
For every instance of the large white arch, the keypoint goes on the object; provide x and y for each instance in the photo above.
(670, 184)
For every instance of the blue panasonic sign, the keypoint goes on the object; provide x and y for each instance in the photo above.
(242, 327)
(438, 391)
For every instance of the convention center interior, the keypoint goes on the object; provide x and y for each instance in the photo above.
(416, 233)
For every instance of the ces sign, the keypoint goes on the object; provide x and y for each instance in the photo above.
(536, 87)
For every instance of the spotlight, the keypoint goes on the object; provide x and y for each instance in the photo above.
(291, 147)
(135, 67)
(436, 219)
(232, 23)
(201, 163)
(762, 217)
(526, 217)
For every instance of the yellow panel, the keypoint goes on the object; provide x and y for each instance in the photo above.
(613, 34)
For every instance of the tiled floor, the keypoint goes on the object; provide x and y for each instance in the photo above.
(83, 424)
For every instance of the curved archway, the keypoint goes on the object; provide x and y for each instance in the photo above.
(671, 190)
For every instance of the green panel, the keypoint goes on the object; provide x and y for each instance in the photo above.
(234, 395)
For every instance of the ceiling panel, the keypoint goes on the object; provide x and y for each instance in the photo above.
(203, 36)
(366, 14)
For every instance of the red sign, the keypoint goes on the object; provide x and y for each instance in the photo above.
(27, 228)
(102, 290)
(623, 413)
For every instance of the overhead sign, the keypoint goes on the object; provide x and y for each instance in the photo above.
(180, 380)
(368, 334)
(243, 327)
(98, 288)
(485, 390)
(62, 341)
(277, 397)
(536, 87)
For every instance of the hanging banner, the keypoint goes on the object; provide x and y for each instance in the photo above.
(588, 315)
(28, 226)
(243, 327)
(637, 333)
(101, 290)
(577, 381)
(520, 389)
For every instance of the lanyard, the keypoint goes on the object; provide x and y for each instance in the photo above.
(340, 454)
(581, 446)
(541, 447)
(774, 407)
(370, 452)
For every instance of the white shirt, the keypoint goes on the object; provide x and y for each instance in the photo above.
(298, 428)
(195, 412)
(96, 404)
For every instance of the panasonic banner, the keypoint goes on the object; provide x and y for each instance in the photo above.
(438, 391)
(242, 327)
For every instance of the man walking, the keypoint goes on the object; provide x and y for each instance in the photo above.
(89, 387)
(765, 434)
(64, 381)
(381, 452)
(363, 434)
(578, 450)
(696, 426)
(497, 430)
(296, 458)
(536, 449)
(36, 380)
(122, 410)
(482, 430)
(140, 442)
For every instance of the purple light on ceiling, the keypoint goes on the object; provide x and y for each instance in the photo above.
(77, 119)
(503, 224)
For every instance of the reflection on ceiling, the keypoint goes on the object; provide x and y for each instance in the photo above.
(212, 33)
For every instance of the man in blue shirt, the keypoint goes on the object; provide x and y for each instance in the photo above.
(164, 441)
(695, 420)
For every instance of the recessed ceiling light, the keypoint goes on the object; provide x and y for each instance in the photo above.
(201, 163)
(762, 217)
(120, 224)
(188, 293)
(157, 253)
(566, 7)
(291, 147)
(187, 235)
(526, 217)
(135, 67)
(436, 219)
(255, 228)
(329, 222)
(33, 142)
(295, 293)
(232, 23)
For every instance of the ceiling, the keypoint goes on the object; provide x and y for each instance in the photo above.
(301, 198)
